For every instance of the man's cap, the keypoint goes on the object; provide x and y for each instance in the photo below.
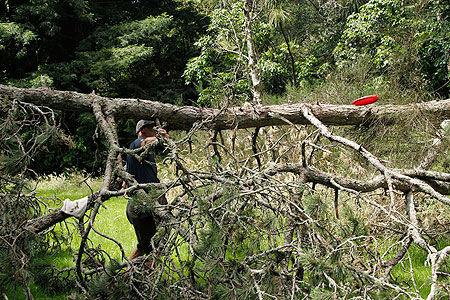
(143, 123)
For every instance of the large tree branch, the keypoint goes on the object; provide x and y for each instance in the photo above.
(387, 172)
(308, 174)
(183, 117)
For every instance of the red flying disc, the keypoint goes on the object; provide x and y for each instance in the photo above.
(365, 100)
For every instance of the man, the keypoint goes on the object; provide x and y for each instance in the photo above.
(144, 172)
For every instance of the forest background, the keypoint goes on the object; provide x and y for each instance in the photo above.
(196, 53)
(192, 52)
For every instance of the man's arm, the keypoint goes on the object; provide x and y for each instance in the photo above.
(148, 140)
(151, 139)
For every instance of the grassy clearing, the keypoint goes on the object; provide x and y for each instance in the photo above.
(111, 221)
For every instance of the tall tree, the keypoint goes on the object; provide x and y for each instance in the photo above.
(115, 48)
(278, 15)
(250, 11)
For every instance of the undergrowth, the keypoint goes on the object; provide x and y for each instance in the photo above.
(112, 222)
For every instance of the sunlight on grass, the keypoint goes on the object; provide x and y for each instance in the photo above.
(111, 221)
(414, 263)
(74, 187)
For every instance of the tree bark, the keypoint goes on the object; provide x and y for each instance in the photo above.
(56, 216)
(271, 194)
(184, 117)
(252, 60)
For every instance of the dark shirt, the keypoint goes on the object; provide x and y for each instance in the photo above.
(142, 172)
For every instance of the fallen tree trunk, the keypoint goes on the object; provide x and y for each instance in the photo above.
(183, 117)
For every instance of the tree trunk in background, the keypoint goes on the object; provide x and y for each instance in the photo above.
(252, 60)
(291, 56)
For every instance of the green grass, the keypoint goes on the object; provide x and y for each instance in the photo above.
(415, 259)
(111, 221)
(421, 272)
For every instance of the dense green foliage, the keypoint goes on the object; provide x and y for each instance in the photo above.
(407, 43)
(194, 52)
(118, 48)
(115, 48)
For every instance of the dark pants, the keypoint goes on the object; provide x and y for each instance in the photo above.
(144, 225)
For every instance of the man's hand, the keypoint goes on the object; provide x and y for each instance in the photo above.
(150, 139)
(163, 133)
